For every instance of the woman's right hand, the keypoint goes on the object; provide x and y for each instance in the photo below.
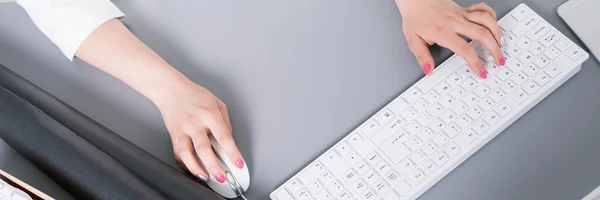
(443, 22)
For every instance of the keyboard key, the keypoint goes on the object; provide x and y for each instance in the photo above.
(536, 48)
(541, 61)
(324, 195)
(526, 57)
(443, 88)
(384, 116)
(283, 195)
(474, 112)
(515, 66)
(435, 109)
(311, 173)
(510, 39)
(315, 187)
(448, 116)
(508, 87)
(486, 104)
(542, 78)
(575, 53)
(410, 114)
(459, 108)
(452, 130)
(550, 38)
(390, 195)
(520, 96)
(493, 82)
(506, 23)
(303, 195)
(553, 70)
(431, 96)
(524, 43)
(497, 95)
(503, 109)
(358, 186)
(440, 158)
(426, 133)
(531, 87)
(395, 150)
(398, 106)
(441, 139)
(380, 187)
(491, 67)
(361, 167)
(531, 70)
(417, 176)
(552, 53)
(403, 188)
(469, 136)
(345, 195)
(406, 166)
(417, 157)
(485, 55)
(412, 95)
(446, 101)
(458, 92)
(454, 79)
(353, 158)
(335, 187)
(463, 121)
(429, 167)
(413, 127)
(563, 45)
(326, 178)
(482, 90)
(480, 127)
(525, 25)
(373, 158)
(420, 105)
(382, 167)
(413, 143)
(519, 79)
(429, 148)
(371, 177)
(387, 131)
(464, 71)
(512, 51)
(520, 12)
(538, 30)
(491, 118)
(392, 177)
(370, 128)
(369, 195)
(471, 99)
(469, 84)
(452, 149)
(361, 146)
(294, 185)
(337, 164)
(504, 73)
(424, 118)
(436, 125)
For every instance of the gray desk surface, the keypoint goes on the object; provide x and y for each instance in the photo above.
(298, 75)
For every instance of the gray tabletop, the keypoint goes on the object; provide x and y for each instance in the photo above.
(299, 75)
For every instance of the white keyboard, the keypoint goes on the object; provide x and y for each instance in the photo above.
(426, 132)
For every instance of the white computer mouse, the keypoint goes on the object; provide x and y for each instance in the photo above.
(237, 180)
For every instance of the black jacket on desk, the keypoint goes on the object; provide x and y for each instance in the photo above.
(19, 114)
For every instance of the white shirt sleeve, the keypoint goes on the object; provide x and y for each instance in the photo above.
(67, 23)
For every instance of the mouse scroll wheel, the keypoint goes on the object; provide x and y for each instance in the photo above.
(230, 178)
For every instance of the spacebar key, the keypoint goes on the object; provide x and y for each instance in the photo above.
(441, 73)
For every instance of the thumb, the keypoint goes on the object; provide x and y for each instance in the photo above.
(421, 51)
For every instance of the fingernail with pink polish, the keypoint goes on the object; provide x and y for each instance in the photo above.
(482, 73)
(219, 177)
(502, 60)
(427, 69)
(239, 163)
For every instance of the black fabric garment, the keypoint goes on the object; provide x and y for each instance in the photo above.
(81, 168)
(155, 173)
